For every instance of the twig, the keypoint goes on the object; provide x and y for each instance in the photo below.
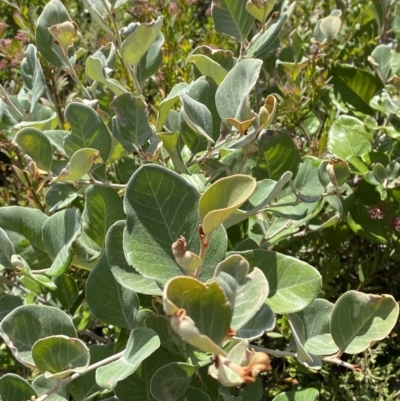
(117, 43)
(276, 353)
(23, 289)
(331, 359)
(102, 184)
(75, 77)
(26, 175)
(94, 336)
(57, 102)
(64, 382)
(4, 96)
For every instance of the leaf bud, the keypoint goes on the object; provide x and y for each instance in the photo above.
(65, 34)
(187, 260)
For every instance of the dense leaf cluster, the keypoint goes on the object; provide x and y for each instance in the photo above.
(163, 223)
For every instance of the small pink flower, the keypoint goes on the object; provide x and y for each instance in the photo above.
(396, 223)
(173, 8)
(3, 27)
(375, 213)
(21, 36)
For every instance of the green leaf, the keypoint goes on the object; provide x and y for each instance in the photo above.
(310, 394)
(224, 58)
(167, 104)
(230, 17)
(161, 206)
(53, 13)
(126, 275)
(23, 227)
(20, 264)
(249, 291)
(43, 385)
(8, 303)
(355, 86)
(59, 356)
(135, 46)
(330, 26)
(261, 46)
(59, 233)
(85, 388)
(202, 91)
(43, 321)
(277, 155)
(141, 344)
(66, 292)
(95, 71)
(132, 119)
(222, 198)
(42, 118)
(197, 116)
(260, 11)
(60, 195)
(103, 207)
(171, 381)
(36, 145)
(108, 300)
(137, 386)
(205, 304)
(264, 320)
(88, 131)
(32, 73)
(6, 251)
(151, 60)
(265, 192)
(308, 360)
(315, 319)
(293, 284)
(383, 57)
(208, 67)
(173, 144)
(80, 164)
(348, 137)
(358, 320)
(232, 97)
(97, 11)
(15, 388)
(56, 137)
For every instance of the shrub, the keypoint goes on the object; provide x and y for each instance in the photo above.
(150, 268)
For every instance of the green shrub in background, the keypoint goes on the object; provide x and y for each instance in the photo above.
(178, 208)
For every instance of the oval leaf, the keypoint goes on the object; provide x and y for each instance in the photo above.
(15, 388)
(59, 233)
(205, 304)
(140, 41)
(88, 131)
(232, 95)
(293, 284)
(222, 198)
(59, 356)
(53, 13)
(161, 206)
(37, 146)
(124, 274)
(108, 300)
(42, 321)
(359, 320)
(171, 381)
(141, 344)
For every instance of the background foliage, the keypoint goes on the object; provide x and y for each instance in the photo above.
(349, 84)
